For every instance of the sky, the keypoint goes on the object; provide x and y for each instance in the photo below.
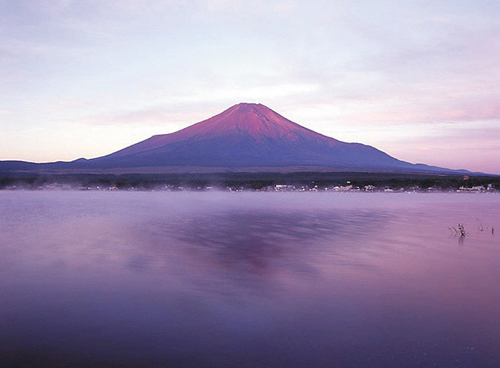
(419, 80)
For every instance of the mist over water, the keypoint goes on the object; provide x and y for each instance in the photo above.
(156, 279)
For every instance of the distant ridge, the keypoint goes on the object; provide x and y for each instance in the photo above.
(245, 137)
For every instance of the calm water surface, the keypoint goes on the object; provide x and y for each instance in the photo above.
(113, 279)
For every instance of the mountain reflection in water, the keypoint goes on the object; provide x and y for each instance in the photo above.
(263, 242)
(248, 279)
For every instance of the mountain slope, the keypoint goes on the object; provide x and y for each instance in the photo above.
(248, 135)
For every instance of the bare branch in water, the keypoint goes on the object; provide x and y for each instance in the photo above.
(461, 230)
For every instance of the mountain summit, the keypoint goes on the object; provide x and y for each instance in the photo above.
(242, 123)
(245, 137)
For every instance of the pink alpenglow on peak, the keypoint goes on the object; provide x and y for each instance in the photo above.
(254, 120)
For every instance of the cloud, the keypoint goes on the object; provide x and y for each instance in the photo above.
(191, 108)
(471, 145)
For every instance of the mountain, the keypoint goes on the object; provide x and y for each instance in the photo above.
(244, 137)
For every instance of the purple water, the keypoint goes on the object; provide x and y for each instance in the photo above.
(157, 279)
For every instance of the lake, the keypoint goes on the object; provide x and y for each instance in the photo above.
(164, 279)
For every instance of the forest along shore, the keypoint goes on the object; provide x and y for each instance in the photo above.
(271, 182)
